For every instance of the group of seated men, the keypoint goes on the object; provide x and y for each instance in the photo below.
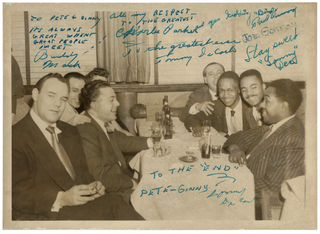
(264, 126)
(90, 179)
(75, 118)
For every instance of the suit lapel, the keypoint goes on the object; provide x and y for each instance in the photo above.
(245, 122)
(271, 140)
(45, 154)
(111, 145)
(104, 137)
(219, 111)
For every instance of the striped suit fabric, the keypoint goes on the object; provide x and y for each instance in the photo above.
(278, 158)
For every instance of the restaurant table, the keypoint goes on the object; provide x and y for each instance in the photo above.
(170, 189)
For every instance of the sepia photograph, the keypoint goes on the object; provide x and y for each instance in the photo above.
(160, 116)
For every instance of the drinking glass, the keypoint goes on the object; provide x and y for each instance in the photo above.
(205, 146)
(216, 151)
(206, 126)
(156, 137)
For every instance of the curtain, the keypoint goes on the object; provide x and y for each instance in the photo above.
(125, 62)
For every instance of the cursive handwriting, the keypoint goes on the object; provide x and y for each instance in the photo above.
(238, 13)
(268, 14)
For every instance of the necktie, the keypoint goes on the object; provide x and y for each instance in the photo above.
(233, 128)
(57, 147)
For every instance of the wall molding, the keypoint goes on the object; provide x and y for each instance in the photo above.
(136, 88)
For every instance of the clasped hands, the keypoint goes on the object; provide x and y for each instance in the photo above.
(81, 194)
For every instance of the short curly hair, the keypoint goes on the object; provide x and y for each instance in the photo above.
(288, 91)
(97, 72)
(91, 91)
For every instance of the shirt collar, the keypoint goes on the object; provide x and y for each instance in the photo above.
(100, 122)
(238, 107)
(280, 123)
(213, 95)
(41, 124)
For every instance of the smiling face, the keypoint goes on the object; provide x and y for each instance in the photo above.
(105, 107)
(213, 73)
(50, 102)
(74, 93)
(252, 90)
(272, 107)
(229, 92)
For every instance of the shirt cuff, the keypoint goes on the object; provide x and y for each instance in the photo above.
(150, 143)
(56, 205)
(193, 110)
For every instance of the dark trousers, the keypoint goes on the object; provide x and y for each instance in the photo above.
(106, 207)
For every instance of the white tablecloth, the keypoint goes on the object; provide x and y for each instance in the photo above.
(170, 189)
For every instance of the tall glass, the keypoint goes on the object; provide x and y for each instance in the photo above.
(205, 146)
(206, 126)
(156, 138)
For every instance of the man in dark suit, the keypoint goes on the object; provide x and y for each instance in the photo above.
(103, 143)
(273, 153)
(50, 177)
(252, 90)
(229, 115)
(201, 100)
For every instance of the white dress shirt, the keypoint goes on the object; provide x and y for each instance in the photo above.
(42, 126)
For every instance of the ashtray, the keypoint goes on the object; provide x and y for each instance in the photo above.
(188, 158)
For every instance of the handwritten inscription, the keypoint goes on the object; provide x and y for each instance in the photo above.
(168, 23)
(281, 62)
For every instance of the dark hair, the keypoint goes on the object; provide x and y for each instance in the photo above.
(75, 75)
(251, 72)
(213, 63)
(230, 75)
(91, 92)
(97, 72)
(288, 91)
(40, 82)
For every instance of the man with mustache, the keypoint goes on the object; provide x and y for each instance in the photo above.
(104, 145)
(252, 90)
(229, 115)
(273, 153)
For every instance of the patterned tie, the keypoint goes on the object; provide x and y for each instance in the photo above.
(233, 128)
(57, 147)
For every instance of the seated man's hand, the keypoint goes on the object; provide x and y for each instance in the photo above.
(77, 195)
(237, 155)
(206, 107)
(79, 119)
(97, 189)
(197, 131)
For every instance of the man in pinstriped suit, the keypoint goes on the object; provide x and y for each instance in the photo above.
(276, 152)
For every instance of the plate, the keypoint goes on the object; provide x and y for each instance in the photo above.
(188, 158)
